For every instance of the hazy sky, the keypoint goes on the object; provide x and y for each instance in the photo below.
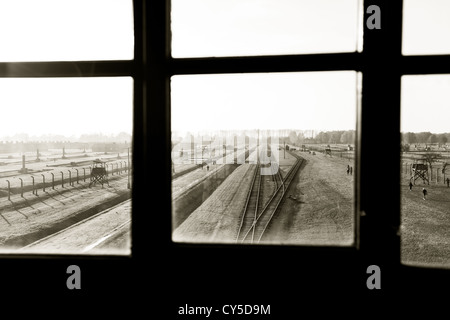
(65, 30)
(263, 27)
(425, 103)
(47, 30)
(304, 101)
(66, 106)
(426, 98)
(426, 27)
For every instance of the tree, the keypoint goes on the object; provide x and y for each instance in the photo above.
(432, 139)
(335, 136)
(431, 157)
(293, 137)
(442, 138)
(348, 137)
(409, 138)
(323, 137)
(422, 137)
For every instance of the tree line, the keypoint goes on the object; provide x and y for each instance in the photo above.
(323, 137)
(425, 138)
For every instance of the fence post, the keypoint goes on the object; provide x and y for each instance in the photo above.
(9, 190)
(33, 185)
(437, 171)
(43, 180)
(53, 180)
(62, 179)
(34, 189)
(70, 178)
(84, 174)
(21, 187)
(77, 176)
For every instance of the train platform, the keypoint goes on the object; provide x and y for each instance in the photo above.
(220, 213)
(190, 179)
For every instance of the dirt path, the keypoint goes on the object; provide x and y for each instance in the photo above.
(320, 209)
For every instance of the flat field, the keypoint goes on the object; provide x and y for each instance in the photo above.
(425, 223)
(319, 205)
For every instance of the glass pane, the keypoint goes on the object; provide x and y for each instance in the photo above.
(64, 155)
(426, 27)
(264, 158)
(425, 156)
(62, 30)
(208, 28)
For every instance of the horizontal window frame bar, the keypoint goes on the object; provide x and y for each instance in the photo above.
(305, 248)
(67, 69)
(255, 64)
(357, 61)
(437, 64)
(409, 65)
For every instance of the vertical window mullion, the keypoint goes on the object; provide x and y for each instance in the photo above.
(380, 137)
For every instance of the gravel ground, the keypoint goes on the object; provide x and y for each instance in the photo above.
(217, 219)
(320, 209)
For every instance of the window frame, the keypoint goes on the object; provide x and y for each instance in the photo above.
(382, 64)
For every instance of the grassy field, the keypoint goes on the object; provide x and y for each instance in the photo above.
(425, 223)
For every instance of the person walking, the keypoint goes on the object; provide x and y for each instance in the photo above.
(448, 182)
(410, 186)
(424, 191)
(348, 169)
(351, 170)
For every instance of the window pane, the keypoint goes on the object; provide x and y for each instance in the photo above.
(274, 151)
(63, 165)
(426, 27)
(425, 156)
(62, 30)
(207, 28)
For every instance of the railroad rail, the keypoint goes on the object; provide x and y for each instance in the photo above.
(255, 221)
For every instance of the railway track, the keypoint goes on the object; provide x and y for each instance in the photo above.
(255, 220)
(251, 205)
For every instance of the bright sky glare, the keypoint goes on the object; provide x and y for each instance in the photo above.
(263, 27)
(58, 30)
(64, 30)
(426, 26)
(425, 103)
(66, 106)
(303, 101)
